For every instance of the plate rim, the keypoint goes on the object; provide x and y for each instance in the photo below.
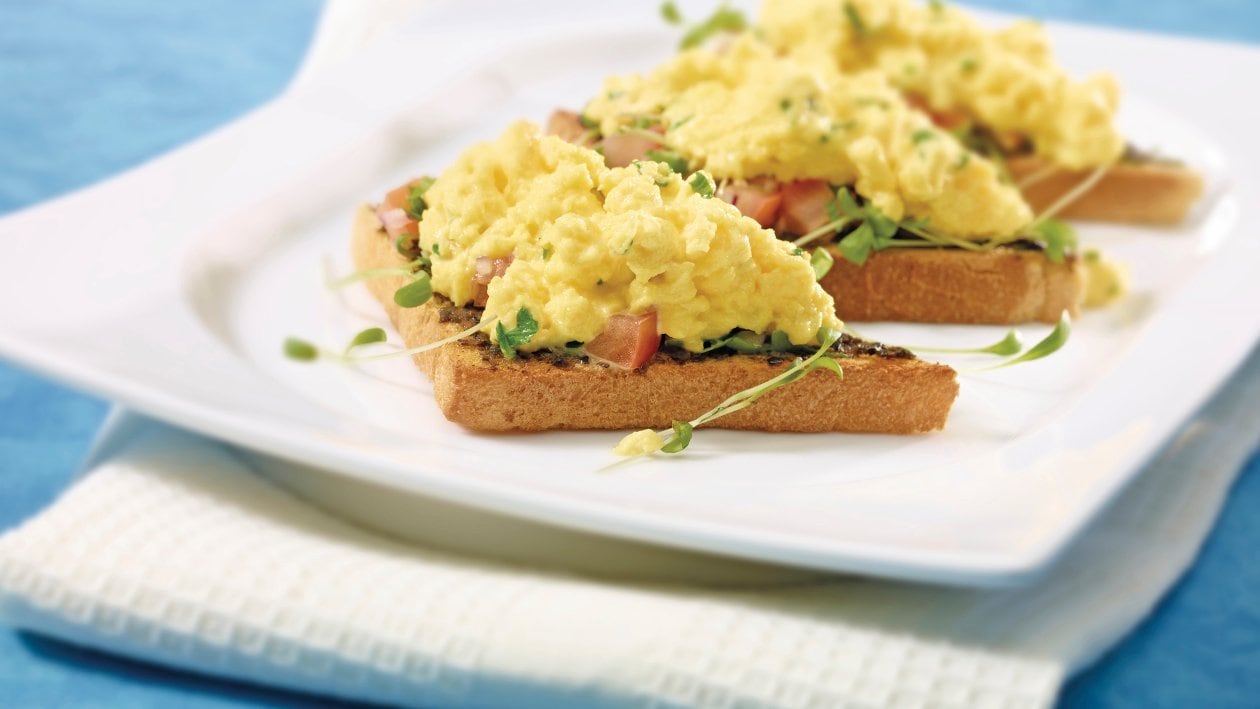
(981, 571)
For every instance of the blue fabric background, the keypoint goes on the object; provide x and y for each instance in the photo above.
(90, 88)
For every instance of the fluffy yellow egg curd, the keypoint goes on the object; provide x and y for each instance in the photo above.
(588, 242)
(743, 111)
(1006, 79)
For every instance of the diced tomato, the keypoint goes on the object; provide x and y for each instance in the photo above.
(804, 206)
(947, 119)
(396, 221)
(627, 340)
(566, 125)
(485, 270)
(758, 199)
(622, 149)
(392, 211)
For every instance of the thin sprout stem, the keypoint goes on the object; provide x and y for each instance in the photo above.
(1072, 195)
(645, 133)
(942, 238)
(424, 348)
(829, 228)
(365, 275)
(913, 243)
(748, 396)
(588, 138)
(1037, 176)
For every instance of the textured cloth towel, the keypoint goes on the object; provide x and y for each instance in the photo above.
(172, 550)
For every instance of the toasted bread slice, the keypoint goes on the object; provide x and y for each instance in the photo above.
(1146, 192)
(883, 391)
(1003, 286)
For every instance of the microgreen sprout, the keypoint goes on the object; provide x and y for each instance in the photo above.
(414, 294)
(679, 437)
(415, 197)
(828, 229)
(855, 19)
(1057, 236)
(670, 13)
(821, 261)
(370, 336)
(300, 350)
(1008, 345)
(1048, 345)
(304, 351)
(366, 274)
(874, 231)
(702, 184)
(1073, 194)
(672, 158)
(724, 19)
(509, 340)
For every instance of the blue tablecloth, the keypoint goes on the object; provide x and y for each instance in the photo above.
(90, 88)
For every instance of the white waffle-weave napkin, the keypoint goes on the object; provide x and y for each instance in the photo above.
(171, 550)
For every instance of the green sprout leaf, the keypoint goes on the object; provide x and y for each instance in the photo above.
(855, 19)
(848, 204)
(1008, 345)
(829, 364)
(1047, 346)
(833, 207)
(300, 350)
(922, 134)
(408, 245)
(681, 438)
(415, 197)
(509, 340)
(881, 226)
(669, 11)
(821, 261)
(779, 341)
(856, 247)
(724, 19)
(742, 342)
(370, 336)
(702, 184)
(416, 293)
(672, 158)
(1058, 236)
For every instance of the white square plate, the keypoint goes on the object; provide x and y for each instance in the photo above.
(176, 282)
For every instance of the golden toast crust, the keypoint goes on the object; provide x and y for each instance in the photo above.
(1004, 286)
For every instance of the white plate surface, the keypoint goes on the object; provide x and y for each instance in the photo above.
(200, 263)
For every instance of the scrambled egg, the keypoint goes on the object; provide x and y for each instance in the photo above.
(1105, 281)
(589, 242)
(1007, 79)
(745, 112)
